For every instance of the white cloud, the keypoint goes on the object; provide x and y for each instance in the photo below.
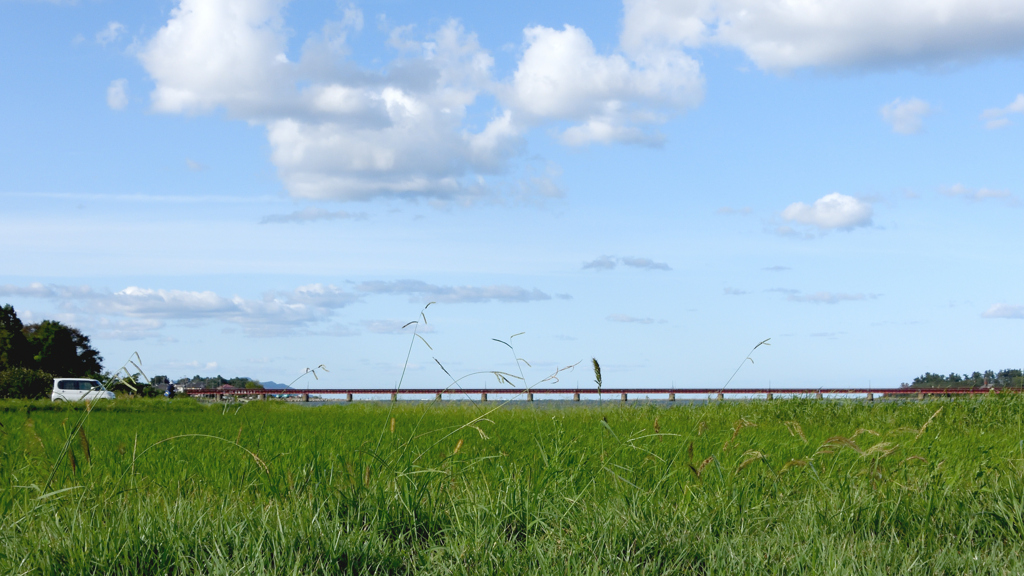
(117, 97)
(561, 76)
(453, 294)
(223, 52)
(833, 211)
(275, 313)
(906, 116)
(335, 131)
(110, 33)
(961, 191)
(781, 35)
(997, 117)
(341, 132)
(1009, 311)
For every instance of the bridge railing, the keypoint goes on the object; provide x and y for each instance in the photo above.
(623, 393)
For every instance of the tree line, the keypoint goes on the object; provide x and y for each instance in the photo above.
(1009, 378)
(31, 355)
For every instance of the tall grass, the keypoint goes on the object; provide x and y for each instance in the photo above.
(783, 487)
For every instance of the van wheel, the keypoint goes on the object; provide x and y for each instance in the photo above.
(58, 399)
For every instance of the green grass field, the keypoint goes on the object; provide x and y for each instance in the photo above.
(794, 486)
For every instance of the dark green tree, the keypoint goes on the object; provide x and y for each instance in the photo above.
(62, 350)
(14, 348)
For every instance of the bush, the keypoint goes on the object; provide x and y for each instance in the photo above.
(25, 383)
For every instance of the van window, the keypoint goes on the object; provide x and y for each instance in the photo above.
(67, 385)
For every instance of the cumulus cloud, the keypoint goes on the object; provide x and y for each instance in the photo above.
(961, 191)
(612, 97)
(422, 291)
(906, 116)
(1009, 311)
(831, 212)
(779, 36)
(311, 215)
(999, 117)
(117, 95)
(338, 131)
(110, 33)
(610, 262)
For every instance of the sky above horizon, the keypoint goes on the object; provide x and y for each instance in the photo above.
(254, 188)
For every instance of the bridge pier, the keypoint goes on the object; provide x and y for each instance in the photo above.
(305, 397)
(483, 396)
(624, 397)
(394, 396)
(769, 396)
(348, 397)
(818, 395)
(720, 397)
(920, 395)
(871, 397)
(575, 396)
(437, 397)
(529, 396)
(671, 396)
(261, 397)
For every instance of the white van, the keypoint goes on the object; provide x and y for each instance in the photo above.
(75, 389)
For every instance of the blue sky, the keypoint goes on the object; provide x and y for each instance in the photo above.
(254, 188)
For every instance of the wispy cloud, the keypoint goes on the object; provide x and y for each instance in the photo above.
(110, 33)
(419, 290)
(734, 292)
(776, 268)
(312, 215)
(961, 191)
(734, 211)
(999, 117)
(610, 262)
(1009, 311)
(822, 297)
(275, 313)
(906, 116)
(394, 327)
(117, 94)
(154, 198)
(630, 319)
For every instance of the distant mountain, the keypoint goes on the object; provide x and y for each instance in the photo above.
(274, 386)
